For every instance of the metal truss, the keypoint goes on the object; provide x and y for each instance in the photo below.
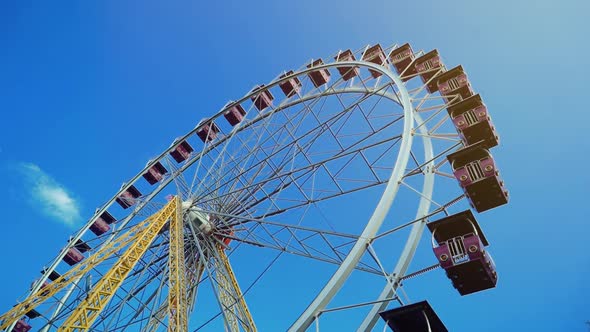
(86, 313)
(143, 232)
(266, 183)
(177, 303)
(231, 296)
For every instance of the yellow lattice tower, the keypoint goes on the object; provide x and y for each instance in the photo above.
(136, 241)
(231, 296)
(159, 316)
(177, 309)
(87, 312)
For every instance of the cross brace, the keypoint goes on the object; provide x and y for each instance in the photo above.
(177, 308)
(235, 302)
(108, 250)
(88, 310)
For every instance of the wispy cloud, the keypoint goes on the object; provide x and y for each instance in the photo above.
(50, 196)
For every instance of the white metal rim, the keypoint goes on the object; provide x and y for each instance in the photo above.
(370, 230)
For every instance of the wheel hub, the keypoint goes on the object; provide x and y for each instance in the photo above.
(197, 217)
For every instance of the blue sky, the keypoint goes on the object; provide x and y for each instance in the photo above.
(89, 91)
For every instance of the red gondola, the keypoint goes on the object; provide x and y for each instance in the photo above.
(107, 217)
(454, 85)
(208, 131)
(347, 72)
(428, 66)
(182, 151)
(262, 100)
(235, 114)
(291, 86)
(52, 276)
(155, 173)
(22, 326)
(128, 197)
(459, 245)
(474, 168)
(318, 77)
(99, 226)
(473, 122)
(376, 55)
(402, 58)
(73, 256)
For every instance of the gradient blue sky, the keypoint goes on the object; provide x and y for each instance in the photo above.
(89, 91)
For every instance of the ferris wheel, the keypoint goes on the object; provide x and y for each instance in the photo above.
(318, 168)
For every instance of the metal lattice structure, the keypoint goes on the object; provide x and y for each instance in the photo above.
(368, 131)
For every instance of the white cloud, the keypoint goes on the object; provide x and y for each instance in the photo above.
(52, 198)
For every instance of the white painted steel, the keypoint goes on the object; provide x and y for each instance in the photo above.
(372, 227)
(78, 235)
(414, 238)
(339, 277)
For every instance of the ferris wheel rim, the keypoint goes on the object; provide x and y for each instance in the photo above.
(127, 184)
(389, 193)
(409, 250)
(388, 73)
(424, 174)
